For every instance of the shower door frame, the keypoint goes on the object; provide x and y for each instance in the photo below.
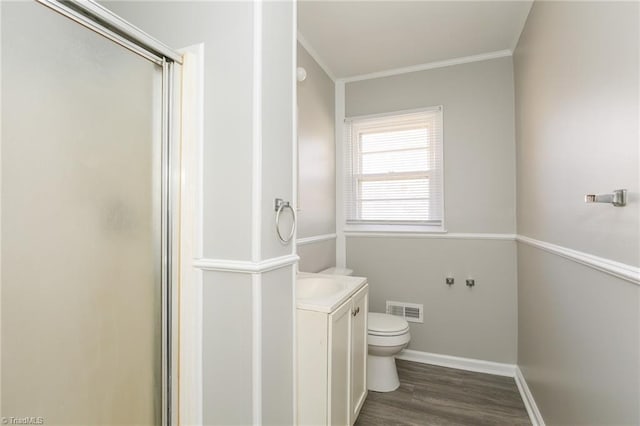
(95, 17)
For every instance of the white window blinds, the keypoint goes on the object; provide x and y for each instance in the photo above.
(393, 169)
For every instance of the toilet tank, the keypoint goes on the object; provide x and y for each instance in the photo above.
(337, 271)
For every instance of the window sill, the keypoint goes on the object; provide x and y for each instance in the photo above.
(394, 229)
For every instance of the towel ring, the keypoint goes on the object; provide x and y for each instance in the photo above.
(280, 206)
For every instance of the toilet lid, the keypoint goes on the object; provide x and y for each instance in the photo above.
(386, 324)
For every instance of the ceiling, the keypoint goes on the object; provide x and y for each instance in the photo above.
(352, 38)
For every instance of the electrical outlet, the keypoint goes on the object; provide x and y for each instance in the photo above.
(449, 280)
(471, 282)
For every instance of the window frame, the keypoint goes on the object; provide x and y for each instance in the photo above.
(354, 177)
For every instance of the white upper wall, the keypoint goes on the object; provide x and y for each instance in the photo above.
(353, 38)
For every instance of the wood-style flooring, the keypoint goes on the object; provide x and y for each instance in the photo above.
(431, 395)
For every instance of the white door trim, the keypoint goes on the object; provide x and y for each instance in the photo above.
(190, 386)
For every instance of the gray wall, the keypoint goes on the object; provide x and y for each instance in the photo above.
(577, 119)
(315, 257)
(475, 323)
(277, 343)
(227, 379)
(479, 178)
(227, 30)
(316, 167)
(479, 152)
(576, 86)
(577, 341)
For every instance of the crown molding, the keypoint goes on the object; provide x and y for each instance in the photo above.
(516, 40)
(430, 65)
(403, 70)
(314, 54)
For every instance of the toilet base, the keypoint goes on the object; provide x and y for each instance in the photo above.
(382, 374)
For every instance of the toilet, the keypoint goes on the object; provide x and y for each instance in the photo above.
(387, 335)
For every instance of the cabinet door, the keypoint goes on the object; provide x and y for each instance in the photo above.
(339, 365)
(313, 362)
(359, 351)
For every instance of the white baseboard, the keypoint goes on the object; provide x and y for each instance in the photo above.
(527, 398)
(480, 366)
(469, 364)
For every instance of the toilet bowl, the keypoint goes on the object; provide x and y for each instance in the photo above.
(387, 335)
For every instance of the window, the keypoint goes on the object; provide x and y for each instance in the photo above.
(394, 169)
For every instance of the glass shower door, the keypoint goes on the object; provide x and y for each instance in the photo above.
(80, 191)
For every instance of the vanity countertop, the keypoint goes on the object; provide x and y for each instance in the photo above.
(325, 293)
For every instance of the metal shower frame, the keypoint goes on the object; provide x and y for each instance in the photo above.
(95, 17)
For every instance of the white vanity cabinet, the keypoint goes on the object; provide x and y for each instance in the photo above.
(332, 362)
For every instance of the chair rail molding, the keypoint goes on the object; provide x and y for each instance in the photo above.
(436, 235)
(246, 266)
(316, 239)
(617, 269)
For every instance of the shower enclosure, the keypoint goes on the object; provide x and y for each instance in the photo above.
(87, 190)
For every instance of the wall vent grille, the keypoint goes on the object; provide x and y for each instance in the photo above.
(411, 312)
